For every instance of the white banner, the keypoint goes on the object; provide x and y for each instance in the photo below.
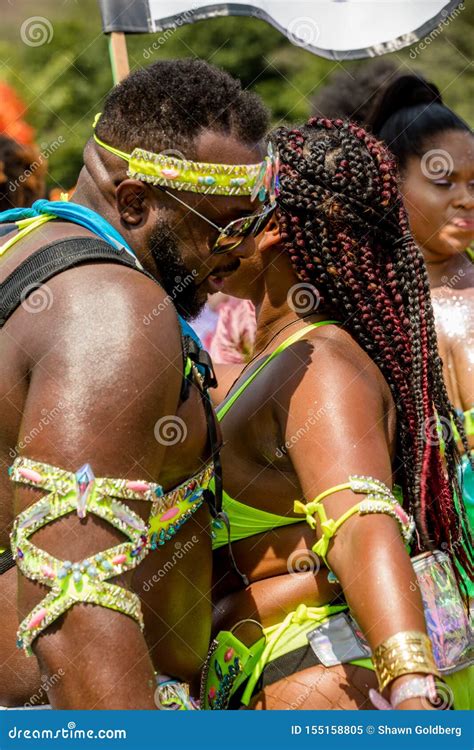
(337, 29)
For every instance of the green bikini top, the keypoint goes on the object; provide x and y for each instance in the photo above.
(245, 520)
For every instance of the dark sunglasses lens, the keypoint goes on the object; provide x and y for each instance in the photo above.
(224, 244)
(242, 228)
(263, 220)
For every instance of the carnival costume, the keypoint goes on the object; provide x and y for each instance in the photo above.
(234, 672)
(80, 491)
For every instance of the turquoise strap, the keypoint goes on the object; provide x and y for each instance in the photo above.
(42, 211)
(222, 411)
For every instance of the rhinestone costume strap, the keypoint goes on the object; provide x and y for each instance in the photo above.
(172, 170)
(380, 499)
(196, 177)
(86, 580)
(176, 506)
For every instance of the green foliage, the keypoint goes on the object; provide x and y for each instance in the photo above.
(64, 81)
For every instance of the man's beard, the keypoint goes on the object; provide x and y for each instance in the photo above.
(175, 277)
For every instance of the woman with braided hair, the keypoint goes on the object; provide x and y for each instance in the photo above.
(434, 150)
(336, 415)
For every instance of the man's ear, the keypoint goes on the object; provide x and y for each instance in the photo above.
(270, 236)
(132, 204)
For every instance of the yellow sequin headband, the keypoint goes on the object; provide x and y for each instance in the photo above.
(257, 180)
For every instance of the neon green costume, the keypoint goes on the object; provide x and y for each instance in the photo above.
(245, 665)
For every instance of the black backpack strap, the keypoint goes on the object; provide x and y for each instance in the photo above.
(53, 259)
(59, 256)
(202, 373)
(6, 561)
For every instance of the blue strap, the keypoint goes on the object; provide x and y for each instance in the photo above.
(89, 219)
(73, 212)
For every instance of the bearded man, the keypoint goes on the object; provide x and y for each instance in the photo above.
(107, 432)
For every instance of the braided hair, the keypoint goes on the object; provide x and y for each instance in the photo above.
(345, 229)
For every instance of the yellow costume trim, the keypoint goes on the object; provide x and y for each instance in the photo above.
(379, 499)
(200, 177)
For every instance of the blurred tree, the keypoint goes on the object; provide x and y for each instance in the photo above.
(65, 79)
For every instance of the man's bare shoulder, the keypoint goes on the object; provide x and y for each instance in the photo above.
(101, 304)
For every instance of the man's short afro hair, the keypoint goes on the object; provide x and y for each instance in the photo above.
(167, 104)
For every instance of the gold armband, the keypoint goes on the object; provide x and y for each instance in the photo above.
(408, 652)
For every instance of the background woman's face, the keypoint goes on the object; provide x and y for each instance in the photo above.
(438, 191)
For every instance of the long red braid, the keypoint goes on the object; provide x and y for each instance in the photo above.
(346, 231)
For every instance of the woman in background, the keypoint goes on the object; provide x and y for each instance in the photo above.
(434, 150)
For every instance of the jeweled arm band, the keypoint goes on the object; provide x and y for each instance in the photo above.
(407, 652)
(87, 580)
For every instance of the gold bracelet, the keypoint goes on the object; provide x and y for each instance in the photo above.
(408, 652)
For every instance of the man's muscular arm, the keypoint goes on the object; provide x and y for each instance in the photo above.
(107, 378)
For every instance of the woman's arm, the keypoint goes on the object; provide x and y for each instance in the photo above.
(338, 426)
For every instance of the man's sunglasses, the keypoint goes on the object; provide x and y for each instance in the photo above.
(236, 231)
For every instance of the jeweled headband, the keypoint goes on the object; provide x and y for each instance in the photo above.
(257, 180)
